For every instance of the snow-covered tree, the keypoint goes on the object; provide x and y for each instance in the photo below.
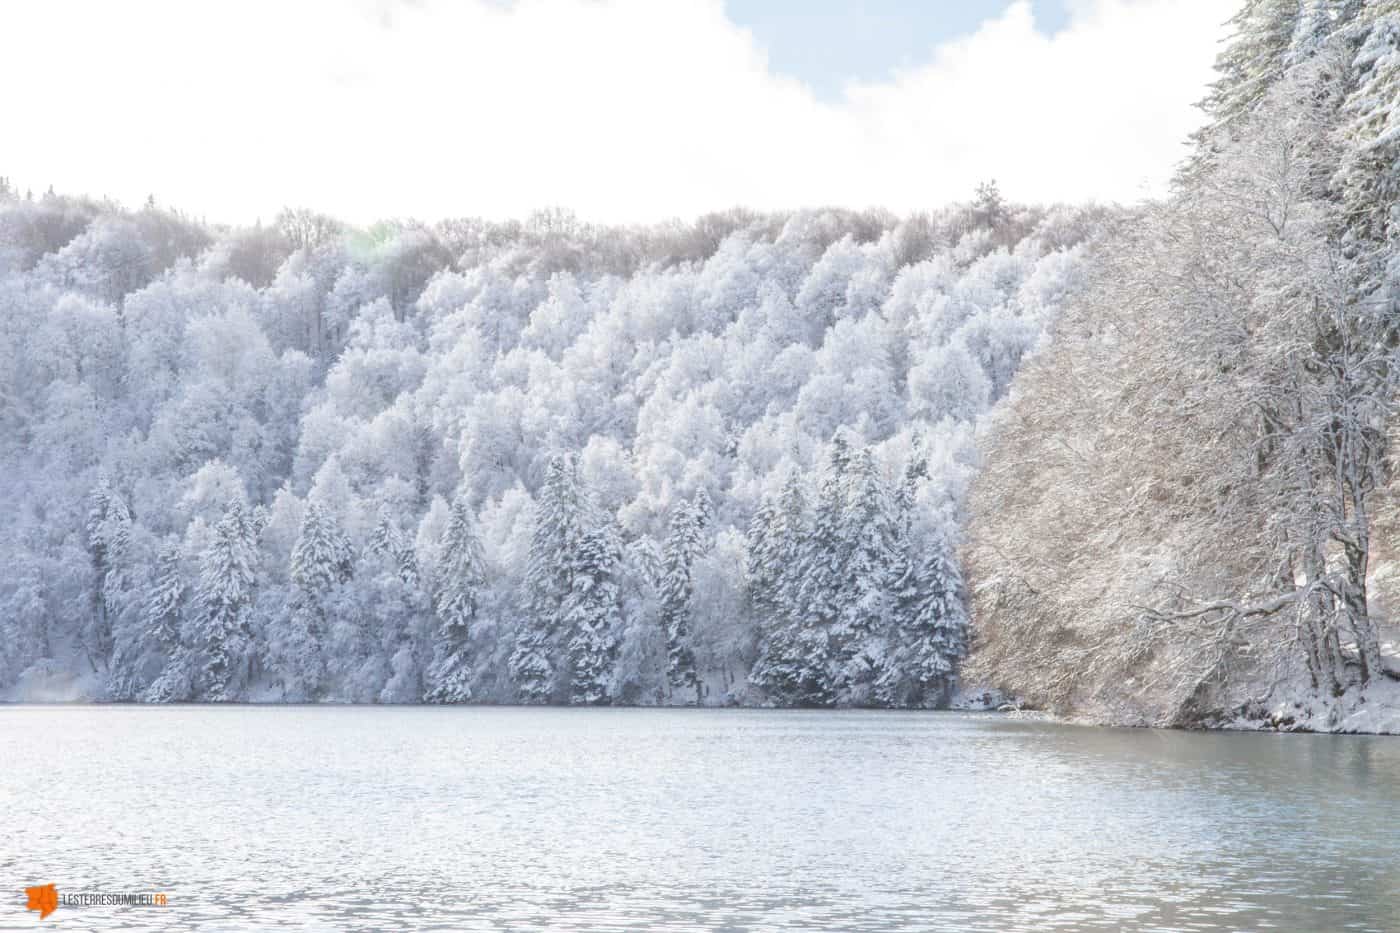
(224, 596)
(560, 516)
(1197, 535)
(931, 630)
(456, 602)
(791, 667)
(592, 616)
(685, 542)
(321, 559)
(866, 599)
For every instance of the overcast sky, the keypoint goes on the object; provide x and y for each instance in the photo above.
(624, 110)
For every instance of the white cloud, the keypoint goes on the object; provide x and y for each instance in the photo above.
(621, 109)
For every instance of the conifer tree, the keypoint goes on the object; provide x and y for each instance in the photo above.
(321, 559)
(390, 573)
(532, 667)
(928, 632)
(162, 621)
(759, 576)
(108, 530)
(322, 556)
(384, 537)
(685, 542)
(224, 595)
(870, 537)
(554, 548)
(165, 600)
(565, 646)
(936, 635)
(821, 566)
(1252, 60)
(592, 616)
(456, 603)
(822, 559)
(388, 543)
(791, 666)
(1368, 177)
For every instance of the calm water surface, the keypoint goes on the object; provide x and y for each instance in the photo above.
(478, 818)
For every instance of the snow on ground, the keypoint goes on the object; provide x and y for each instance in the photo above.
(1374, 709)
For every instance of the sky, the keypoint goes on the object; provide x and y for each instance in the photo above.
(829, 43)
(621, 110)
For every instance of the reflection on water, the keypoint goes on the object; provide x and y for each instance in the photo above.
(464, 818)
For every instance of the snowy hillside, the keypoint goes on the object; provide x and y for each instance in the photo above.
(501, 462)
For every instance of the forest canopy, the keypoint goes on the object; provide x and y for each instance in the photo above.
(714, 462)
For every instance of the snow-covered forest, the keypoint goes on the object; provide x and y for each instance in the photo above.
(715, 462)
(1189, 513)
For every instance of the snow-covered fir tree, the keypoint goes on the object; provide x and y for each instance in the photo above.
(165, 600)
(321, 559)
(592, 616)
(559, 525)
(455, 603)
(930, 636)
(791, 667)
(163, 618)
(398, 612)
(870, 536)
(224, 595)
(108, 538)
(685, 542)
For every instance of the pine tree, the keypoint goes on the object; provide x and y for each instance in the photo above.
(791, 665)
(99, 503)
(387, 542)
(932, 625)
(762, 567)
(648, 561)
(116, 582)
(165, 600)
(904, 590)
(384, 538)
(566, 643)
(321, 559)
(684, 544)
(1370, 171)
(456, 605)
(135, 644)
(389, 574)
(559, 517)
(940, 626)
(592, 616)
(822, 560)
(822, 565)
(322, 555)
(163, 626)
(103, 518)
(989, 208)
(547, 581)
(114, 637)
(1253, 59)
(869, 536)
(224, 596)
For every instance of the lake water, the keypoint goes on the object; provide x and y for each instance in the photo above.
(589, 819)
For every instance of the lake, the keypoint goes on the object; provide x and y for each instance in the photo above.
(603, 819)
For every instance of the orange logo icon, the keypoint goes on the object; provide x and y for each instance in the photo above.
(44, 899)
